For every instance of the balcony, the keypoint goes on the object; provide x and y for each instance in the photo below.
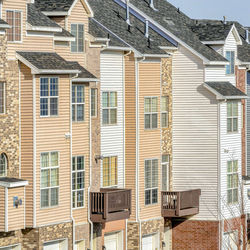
(110, 205)
(180, 204)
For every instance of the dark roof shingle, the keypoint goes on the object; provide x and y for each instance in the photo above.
(53, 5)
(84, 73)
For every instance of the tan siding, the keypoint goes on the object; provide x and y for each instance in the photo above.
(15, 215)
(27, 138)
(2, 208)
(59, 20)
(80, 146)
(150, 140)
(130, 129)
(51, 137)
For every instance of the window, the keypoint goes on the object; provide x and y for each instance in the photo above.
(49, 179)
(164, 112)
(94, 102)
(78, 181)
(232, 182)
(165, 169)
(150, 113)
(78, 100)
(13, 18)
(151, 182)
(49, 96)
(3, 165)
(109, 171)
(109, 108)
(232, 117)
(77, 30)
(2, 98)
(230, 56)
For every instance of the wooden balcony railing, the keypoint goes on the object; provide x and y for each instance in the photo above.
(110, 205)
(180, 204)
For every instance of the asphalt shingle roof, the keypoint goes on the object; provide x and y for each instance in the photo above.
(114, 20)
(3, 23)
(178, 24)
(84, 73)
(10, 180)
(53, 5)
(225, 89)
(37, 18)
(64, 33)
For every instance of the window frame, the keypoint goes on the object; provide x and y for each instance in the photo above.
(95, 102)
(21, 28)
(49, 96)
(76, 104)
(109, 108)
(110, 172)
(49, 188)
(165, 112)
(151, 180)
(233, 188)
(6, 164)
(151, 113)
(230, 65)
(4, 98)
(167, 165)
(232, 117)
(77, 36)
(81, 189)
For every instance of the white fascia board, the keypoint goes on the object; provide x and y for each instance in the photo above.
(222, 42)
(235, 97)
(64, 38)
(58, 72)
(55, 13)
(13, 184)
(168, 48)
(87, 5)
(118, 48)
(156, 56)
(100, 39)
(85, 80)
(43, 28)
(216, 63)
(5, 26)
(235, 33)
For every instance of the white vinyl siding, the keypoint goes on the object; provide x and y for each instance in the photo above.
(112, 137)
(165, 172)
(215, 73)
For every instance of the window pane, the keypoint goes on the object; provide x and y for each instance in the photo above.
(93, 102)
(164, 103)
(113, 171)
(44, 160)
(105, 99)
(235, 166)
(53, 86)
(54, 106)
(229, 124)
(229, 196)
(54, 197)
(73, 181)
(229, 166)
(43, 106)
(148, 176)
(235, 124)
(44, 87)
(74, 33)
(54, 177)
(80, 93)
(80, 163)
(80, 196)
(113, 99)
(45, 179)
(105, 116)
(73, 112)
(147, 121)
(113, 116)
(45, 198)
(147, 105)
(147, 197)
(235, 195)
(228, 67)
(1, 98)
(165, 158)
(154, 120)
(73, 94)
(73, 163)
(74, 199)
(154, 104)
(154, 196)
(17, 26)
(164, 177)
(232, 62)
(54, 159)
(10, 21)
(105, 171)
(80, 112)
(80, 180)
(3, 165)
(229, 181)
(155, 173)
(80, 37)
(235, 109)
(164, 120)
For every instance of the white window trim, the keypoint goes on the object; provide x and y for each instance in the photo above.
(83, 189)
(96, 107)
(232, 173)
(41, 97)
(4, 98)
(6, 164)
(21, 41)
(151, 113)
(233, 117)
(49, 168)
(76, 39)
(112, 186)
(78, 103)
(109, 108)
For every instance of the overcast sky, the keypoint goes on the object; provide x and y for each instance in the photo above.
(236, 10)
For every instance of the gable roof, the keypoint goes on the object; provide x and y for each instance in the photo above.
(4, 25)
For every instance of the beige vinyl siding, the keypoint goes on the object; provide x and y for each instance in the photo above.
(36, 43)
(16, 215)
(150, 140)
(194, 133)
(130, 130)
(27, 138)
(59, 20)
(2, 209)
(80, 147)
(50, 136)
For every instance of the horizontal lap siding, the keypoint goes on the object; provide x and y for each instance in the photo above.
(16, 215)
(59, 20)
(80, 147)
(130, 129)
(150, 140)
(112, 137)
(194, 133)
(51, 137)
(215, 73)
(27, 138)
(2, 209)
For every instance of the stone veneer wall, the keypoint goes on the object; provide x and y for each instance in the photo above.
(11, 238)
(133, 235)
(167, 132)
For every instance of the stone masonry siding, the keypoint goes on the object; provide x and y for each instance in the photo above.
(167, 132)
(10, 238)
(133, 236)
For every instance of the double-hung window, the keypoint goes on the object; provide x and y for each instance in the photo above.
(77, 30)
(109, 171)
(49, 179)
(109, 108)
(150, 112)
(78, 181)
(48, 96)
(232, 182)
(13, 18)
(2, 98)
(93, 102)
(232, 116)
(164, 111)
(151, 181)
(230, 56)
(164, 174)
(78, 101)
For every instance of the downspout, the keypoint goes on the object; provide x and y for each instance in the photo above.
(137, 147)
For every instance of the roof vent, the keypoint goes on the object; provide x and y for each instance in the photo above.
(247, 35)
(149, 43)
(224, 19)
(146, 29)
(127, 13)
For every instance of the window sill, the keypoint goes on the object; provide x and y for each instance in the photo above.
(233, 133)
(151, 205)
(46, 208)
(15, 42)
(49, 116)
(78, 122)
(78, 208)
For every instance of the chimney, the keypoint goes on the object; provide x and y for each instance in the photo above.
(247, 35)
(224, 19)
(146, 29)
(127, 13)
